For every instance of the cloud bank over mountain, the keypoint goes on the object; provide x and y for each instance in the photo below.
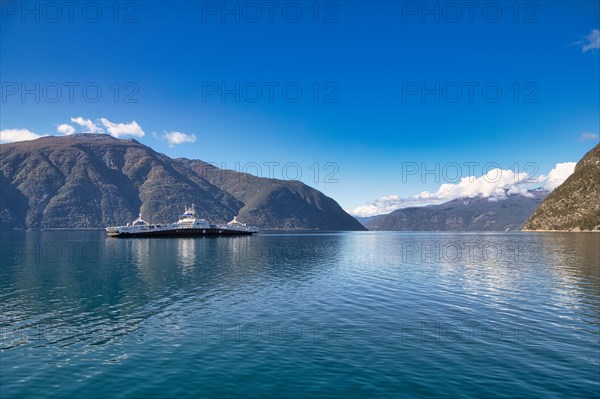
(80, 124)
(495, 184)
(14, 135)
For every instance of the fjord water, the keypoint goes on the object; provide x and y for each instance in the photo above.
(365, 314)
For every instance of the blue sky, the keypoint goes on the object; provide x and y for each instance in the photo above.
(384, 85)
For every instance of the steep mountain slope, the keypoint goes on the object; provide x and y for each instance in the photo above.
(465, 214)
(575, 204)
(92, 180)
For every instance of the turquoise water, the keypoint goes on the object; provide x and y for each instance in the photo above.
(300, 315)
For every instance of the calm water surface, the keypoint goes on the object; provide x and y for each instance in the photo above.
(300, 315)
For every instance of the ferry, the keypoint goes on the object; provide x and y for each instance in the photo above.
(188, 225)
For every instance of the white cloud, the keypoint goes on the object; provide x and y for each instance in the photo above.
(117, 130)
(557, 175)
(389, 204)
(12, 135)
(123, 129)
(592, 41)
(65, 129)
(492, 184)
(588, 136)
(88, 125)
(174, 138)
(495, 184)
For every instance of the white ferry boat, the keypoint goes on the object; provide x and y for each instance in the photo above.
(187, 225)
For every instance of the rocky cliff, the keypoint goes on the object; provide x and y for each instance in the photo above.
(575, 204)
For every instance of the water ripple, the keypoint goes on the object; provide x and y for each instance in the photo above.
(335, 315)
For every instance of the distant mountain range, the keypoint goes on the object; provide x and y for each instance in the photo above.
(464, 214)
(95, 180)
(575, 204)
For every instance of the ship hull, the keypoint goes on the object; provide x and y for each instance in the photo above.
(182, 233)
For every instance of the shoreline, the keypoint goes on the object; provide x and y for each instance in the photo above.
(318, 230)
(561, 231)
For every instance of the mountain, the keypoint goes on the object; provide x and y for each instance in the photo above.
(575, 204)
(464, 214)
(95, 180)
(364, 219)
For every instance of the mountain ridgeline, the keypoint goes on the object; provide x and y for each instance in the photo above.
(464, 214)
(93, 180)
(575, 204)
